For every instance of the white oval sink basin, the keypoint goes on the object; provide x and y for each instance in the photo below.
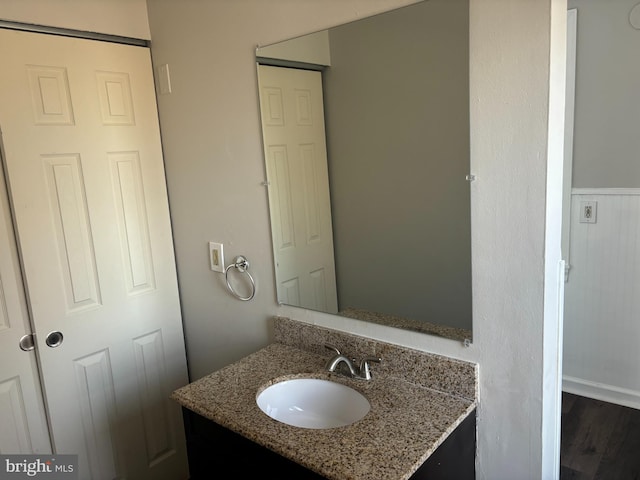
(313, 403)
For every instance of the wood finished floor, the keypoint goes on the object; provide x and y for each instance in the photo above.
(600, 441)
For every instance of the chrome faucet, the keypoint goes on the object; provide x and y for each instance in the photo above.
(333, 363)
(361, 372)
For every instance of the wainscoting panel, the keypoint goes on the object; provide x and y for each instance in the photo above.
(602, 297)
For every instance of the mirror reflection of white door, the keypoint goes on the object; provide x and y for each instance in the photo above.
(86, 179)
(23, 424)
(291, 105)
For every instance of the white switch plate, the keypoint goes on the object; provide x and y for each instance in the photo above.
(216, 257)
(588, 211)
(164, 79)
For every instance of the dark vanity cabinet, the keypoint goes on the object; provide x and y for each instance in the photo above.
(214, 449)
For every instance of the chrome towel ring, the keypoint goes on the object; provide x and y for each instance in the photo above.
(241, 264)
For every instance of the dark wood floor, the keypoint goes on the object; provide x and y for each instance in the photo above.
(599, 440)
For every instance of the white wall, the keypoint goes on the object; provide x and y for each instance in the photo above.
(312, 48)
(127, 18)
(211, 133)
(602, 308)
(602, 303)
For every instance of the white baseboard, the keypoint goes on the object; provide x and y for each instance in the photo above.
(601, 391)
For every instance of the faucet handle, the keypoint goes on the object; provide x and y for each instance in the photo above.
(365, 372)
(328, 346)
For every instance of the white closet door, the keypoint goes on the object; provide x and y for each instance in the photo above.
(23, 425)
(299, 203)
(85, 169)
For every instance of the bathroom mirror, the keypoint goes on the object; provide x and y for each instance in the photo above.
(366, 139)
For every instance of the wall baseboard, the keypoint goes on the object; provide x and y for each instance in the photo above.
(601, 391)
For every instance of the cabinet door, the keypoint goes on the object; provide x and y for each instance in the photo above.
(213, 448)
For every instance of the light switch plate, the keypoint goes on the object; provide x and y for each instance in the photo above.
(216, 257)
(164, 79)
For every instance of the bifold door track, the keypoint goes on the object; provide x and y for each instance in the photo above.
(68, 32)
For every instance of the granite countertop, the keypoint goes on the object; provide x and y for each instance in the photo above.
(406, 423)
(421, 326)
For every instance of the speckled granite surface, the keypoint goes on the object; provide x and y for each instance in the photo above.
(453, 333)
(441, 373)
(413, 406)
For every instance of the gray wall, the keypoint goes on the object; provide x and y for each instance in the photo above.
(211, 137)
(606, 148)
(215, 166)
(397, 114)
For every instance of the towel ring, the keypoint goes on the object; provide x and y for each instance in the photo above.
(241, 264)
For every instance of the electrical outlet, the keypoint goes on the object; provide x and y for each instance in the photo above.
(216, 257)
(588, 211)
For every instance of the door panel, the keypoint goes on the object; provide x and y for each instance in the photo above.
(23, 427)
(84, 165)
(299, 203)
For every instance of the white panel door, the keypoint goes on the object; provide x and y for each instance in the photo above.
(85, 170)
(23, 425)
(295, 150)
